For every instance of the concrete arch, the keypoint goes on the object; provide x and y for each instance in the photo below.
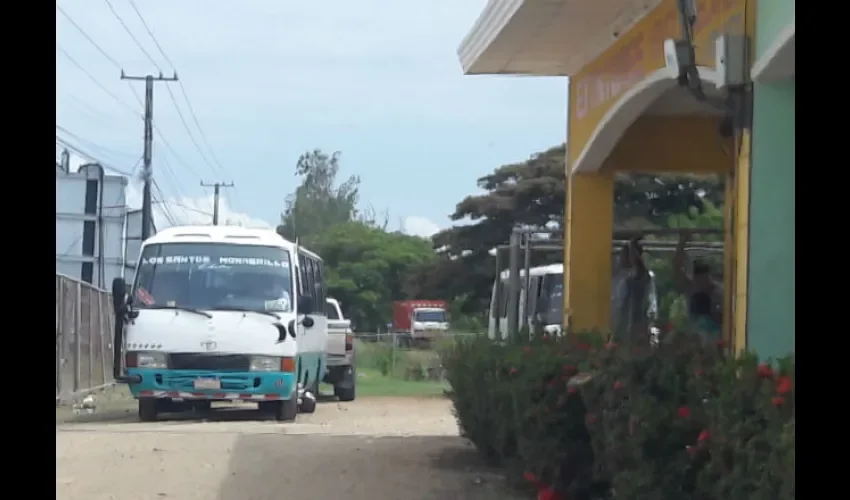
(628, 108)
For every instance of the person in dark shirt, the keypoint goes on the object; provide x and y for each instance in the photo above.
(704, 295)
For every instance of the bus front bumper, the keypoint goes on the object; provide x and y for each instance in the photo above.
(213, 385)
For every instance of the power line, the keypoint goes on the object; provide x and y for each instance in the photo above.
(85, 154)
(94, 80)
(93, 144)
(132, 36)
(87, 37)
(191, 108)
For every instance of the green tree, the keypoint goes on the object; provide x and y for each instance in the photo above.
(532, 194)
(366, 267)
(319, 202)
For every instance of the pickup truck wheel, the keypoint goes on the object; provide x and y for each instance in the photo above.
(347, 392)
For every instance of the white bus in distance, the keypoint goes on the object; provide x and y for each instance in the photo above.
(221, 313)
(545, 302)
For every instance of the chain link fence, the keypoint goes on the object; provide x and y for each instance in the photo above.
(84, 320)
(397, 355)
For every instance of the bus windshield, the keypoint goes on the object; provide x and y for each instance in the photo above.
(214, 276)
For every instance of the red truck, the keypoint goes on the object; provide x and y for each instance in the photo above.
(420, 319)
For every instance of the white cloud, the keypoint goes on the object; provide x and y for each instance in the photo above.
(187, 210)
(415, 225)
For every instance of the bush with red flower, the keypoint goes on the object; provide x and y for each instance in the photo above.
(579, 419)
(752, 423)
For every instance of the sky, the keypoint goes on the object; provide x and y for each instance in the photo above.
(267, 80)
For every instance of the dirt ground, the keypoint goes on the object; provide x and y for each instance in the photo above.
(370, 449)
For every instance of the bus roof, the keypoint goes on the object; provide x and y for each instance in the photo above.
(537, 271)
(219, 234)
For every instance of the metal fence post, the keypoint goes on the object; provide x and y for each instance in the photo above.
(102, 337)
(60, 310)
(78, 312)
(91, 330)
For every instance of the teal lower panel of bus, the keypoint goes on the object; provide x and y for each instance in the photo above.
(227, 384)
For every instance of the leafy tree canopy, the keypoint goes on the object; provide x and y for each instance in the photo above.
(367, 266)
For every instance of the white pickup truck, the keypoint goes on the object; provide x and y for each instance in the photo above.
(341, 373)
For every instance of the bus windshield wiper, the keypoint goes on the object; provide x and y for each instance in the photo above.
(246, 309)
(180, 308)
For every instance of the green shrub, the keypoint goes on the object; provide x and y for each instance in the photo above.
(592, 420)
(751, 422)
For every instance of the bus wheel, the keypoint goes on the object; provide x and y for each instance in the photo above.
(287, 409)
(148, 409)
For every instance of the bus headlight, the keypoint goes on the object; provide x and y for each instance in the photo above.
(146, 359)
(265, 364)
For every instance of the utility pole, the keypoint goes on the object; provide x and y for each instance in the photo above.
(147, 211)
(216, 191)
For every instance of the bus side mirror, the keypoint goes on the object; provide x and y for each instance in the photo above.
(119, 296)
(305, 304)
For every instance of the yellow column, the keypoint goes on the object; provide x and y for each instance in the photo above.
(729, 256)
(742, 240)
(587, 251)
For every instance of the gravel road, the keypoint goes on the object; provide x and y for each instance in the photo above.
(370, 449)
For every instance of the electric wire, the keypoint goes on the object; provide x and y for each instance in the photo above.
(173, 98)
(111, 59)
(191, 108)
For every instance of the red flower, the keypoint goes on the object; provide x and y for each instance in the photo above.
(765, 371)
(777, 401)
(572, 389)
(611, 345)
(547, 493)
(513, 371)
(683, 412)
(783, 385)
(703, 436)
(530, 477)
(618, 385)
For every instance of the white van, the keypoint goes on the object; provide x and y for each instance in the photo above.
(222, 313)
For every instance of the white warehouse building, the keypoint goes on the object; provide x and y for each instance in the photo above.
(98, 237)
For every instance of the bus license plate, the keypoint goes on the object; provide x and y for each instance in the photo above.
(207, 383)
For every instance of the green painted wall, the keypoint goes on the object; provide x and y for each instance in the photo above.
(771, 17)
(770, 290)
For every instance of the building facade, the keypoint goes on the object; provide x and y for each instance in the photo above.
(771, 319)
(628, 112)
(97, 237)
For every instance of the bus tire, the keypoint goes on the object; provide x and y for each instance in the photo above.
(148, 409)
(287, 409)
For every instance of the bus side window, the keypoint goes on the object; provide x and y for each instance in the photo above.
(503, 303)
(310, 284)
(319, 282)
(494, 308)
(302, 275)
(534, 297)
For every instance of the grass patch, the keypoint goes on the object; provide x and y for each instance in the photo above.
(373, 383)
